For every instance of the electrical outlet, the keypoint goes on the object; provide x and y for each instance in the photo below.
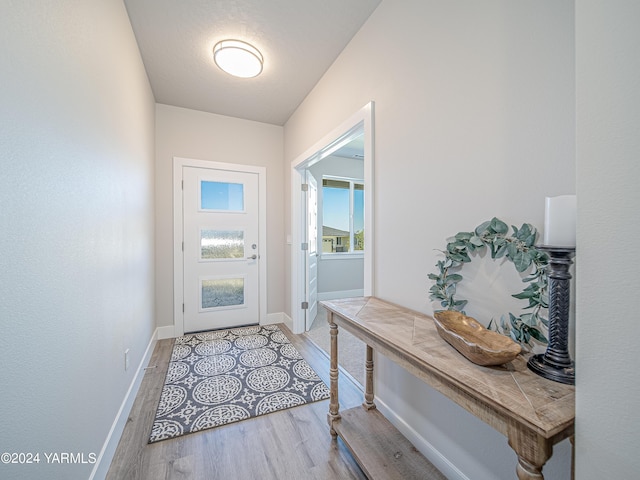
(126, 360)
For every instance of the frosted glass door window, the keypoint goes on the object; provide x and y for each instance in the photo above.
(221, 244)
(221, 196)
(223, 292)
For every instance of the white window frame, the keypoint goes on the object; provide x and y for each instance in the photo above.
(351, 253)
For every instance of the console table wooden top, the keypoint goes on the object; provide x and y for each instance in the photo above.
(533, 412)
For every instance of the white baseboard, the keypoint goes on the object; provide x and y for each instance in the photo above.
(340, 294)
(272, 318)
(447, 468)
(279, 317)
(288, 321)
(166, 332)
(105, 457)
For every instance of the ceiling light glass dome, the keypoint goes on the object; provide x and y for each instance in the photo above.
(238, 58)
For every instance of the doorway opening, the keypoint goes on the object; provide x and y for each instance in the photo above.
(332, 255)
(360, 125)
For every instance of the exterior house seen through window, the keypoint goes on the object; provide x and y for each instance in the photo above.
(342, 215)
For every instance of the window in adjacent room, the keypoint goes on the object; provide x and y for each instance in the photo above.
(342, 215)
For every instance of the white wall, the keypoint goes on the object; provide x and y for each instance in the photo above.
(76, 223)
(608, 170)
(474, 118)
(337, 274)
(204, 136)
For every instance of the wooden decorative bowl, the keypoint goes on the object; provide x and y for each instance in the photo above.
(473, 340)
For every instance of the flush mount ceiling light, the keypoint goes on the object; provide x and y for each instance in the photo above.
(238, 58)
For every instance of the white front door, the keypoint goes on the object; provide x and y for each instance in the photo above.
(220, 261)
(312, 242)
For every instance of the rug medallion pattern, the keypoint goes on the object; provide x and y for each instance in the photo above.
(219, 377)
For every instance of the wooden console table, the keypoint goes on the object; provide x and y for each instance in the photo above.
(534, 413)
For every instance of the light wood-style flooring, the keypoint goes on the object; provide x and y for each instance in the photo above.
(291, 444)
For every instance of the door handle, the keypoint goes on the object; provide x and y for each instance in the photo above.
(252, 257)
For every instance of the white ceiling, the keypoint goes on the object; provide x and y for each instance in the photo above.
(299, 40)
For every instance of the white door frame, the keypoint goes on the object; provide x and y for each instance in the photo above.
(338, 137)
(178, 261)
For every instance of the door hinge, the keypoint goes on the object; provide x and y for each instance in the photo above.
(182, 185)
(304, 306)
(304, 246)
(183, 246)
(305, 187)
(183, 308)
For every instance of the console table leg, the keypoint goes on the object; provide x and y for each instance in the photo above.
(368, 389)
(334, 406)
(533, 452)
(527, 471)
(572, 439)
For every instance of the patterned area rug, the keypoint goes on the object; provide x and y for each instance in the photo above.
(219, 377)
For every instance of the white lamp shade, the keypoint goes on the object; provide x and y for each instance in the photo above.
(560, 221)
(238, 58)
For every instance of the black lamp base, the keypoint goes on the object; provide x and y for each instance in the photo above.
(561, 374)
(556, 364)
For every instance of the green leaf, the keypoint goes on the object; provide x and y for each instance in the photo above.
(524, 232)
(544, 301)
(522, 261)
(524, 294)
(433, 276)
(466, 256)
(477, 241)
(463, 236)
(482, 228)
(528, 319)
(454, 277)
(499, 253)
(499, 226)
(450, 289)
(533, 302)
(537, 334)
(456, 257)
(460, 303)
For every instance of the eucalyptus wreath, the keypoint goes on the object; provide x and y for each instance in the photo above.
(519, 248)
